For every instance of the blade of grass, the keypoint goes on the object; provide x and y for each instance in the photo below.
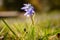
(17, 28)
(5, 36)
(31, 33)
(9, 28)
(2, 30)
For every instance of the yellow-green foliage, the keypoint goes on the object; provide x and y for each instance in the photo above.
(42, 29)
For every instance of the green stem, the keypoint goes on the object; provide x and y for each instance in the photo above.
(32, 19)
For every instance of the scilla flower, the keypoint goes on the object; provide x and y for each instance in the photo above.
(29, 11)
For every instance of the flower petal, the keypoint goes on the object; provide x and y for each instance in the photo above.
(23, 8)
(26, 13)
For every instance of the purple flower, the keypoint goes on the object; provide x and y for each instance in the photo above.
(29, 9)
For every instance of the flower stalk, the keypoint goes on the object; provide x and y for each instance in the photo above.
(32, 19)
(29, 11)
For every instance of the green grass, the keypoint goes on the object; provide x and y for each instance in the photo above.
(41, 30)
